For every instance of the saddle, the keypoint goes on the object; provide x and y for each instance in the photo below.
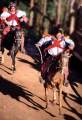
(51, 64)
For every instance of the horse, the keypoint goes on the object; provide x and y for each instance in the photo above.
(12, 43)
(54, 80)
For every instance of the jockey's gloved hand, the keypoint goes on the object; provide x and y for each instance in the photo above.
(37, 45)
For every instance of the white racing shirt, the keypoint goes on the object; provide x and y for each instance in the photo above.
(20, 13)
(55, 51)
(45, 39)
(4, 15)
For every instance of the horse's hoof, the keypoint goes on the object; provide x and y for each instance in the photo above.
(60, 113)
(46, 106)
(13, 69)
(53, 102)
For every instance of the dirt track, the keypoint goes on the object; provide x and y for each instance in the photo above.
(22, 95)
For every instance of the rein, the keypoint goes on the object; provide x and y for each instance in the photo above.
(40, 53)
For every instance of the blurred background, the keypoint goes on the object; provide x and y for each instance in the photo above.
(46, 15)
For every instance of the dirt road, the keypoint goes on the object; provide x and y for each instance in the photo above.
(22, 95)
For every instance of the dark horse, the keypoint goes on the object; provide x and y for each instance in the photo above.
(12, 43)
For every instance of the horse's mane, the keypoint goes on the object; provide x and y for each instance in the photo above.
(54, 68)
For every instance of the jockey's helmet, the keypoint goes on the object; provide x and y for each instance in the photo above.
(12, 4)
(46, 34)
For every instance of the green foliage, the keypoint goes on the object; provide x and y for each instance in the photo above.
(6, 2)
(51, 9)
(24, 7)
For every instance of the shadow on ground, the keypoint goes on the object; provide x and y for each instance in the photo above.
(75, 80)
(16, 91)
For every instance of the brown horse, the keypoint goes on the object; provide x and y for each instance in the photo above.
(55, 79)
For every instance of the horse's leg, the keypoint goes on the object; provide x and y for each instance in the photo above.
(46, 95)
(60, 96)
(66, 77)
(2, 59)
(2, 55)
(54, 95)
(13, 55)
(13, 61)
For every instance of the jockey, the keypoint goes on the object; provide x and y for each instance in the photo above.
(44, 42)
(23, 19)
(14, 20)
(45, 39)
(58, 46)
(3, 17)
(4, 13)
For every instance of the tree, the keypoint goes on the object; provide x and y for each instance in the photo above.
(39, 13)
(58, 17)
(31, 13)
(72, 19)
